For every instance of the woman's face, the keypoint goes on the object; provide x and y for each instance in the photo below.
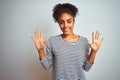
(66, 23)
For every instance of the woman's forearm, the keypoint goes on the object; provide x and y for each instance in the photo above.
(41, 54)
(91, 57)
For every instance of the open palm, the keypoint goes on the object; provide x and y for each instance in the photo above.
(38, 40)
(96, 41)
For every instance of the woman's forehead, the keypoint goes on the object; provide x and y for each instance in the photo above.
(65, 16)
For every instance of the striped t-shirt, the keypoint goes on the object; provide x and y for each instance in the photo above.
(68, 60)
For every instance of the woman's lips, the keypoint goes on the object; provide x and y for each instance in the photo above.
(66, 29)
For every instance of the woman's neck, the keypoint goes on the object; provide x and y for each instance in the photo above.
(71, 37)
(68, 36)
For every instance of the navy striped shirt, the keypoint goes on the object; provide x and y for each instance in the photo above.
(68, 60)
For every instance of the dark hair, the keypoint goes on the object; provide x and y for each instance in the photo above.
(62, 8)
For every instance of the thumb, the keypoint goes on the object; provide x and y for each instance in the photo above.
(45, 42)
(33, 40)
(90, 43)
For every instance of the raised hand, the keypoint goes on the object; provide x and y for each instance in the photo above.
(38, 40)
(96, 41)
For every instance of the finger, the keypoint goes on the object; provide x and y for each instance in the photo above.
(45, 42)
(41, 37)
(89, 43)
(97, 35)
(36, 33)
(33, 40)
(93, 37)
(102, 40)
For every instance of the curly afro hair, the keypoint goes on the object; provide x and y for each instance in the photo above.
(64, 8)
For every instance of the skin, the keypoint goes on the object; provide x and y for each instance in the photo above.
(66, 23)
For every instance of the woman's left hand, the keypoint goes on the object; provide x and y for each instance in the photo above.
(96, 41)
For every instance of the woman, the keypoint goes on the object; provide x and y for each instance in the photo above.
(68, 53)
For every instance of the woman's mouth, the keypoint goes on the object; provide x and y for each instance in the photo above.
(66, 29)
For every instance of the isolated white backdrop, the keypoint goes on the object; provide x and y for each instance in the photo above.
(19, 19)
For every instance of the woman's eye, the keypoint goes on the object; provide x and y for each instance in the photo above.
(69, 21)
(61, 22)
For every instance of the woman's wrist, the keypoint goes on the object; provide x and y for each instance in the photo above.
(93, 51)
(41, 50)
(41, 54)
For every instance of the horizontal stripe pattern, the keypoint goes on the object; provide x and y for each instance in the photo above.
(67, 60)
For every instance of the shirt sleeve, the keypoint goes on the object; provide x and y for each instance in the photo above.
(47, 62)
(87, 65)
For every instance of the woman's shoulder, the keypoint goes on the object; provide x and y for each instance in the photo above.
(52, 38)
(83, 37)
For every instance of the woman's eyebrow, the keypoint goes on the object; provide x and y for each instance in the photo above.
(66, 19)
(69, 19)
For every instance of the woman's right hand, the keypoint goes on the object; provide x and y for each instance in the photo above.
(38, 41)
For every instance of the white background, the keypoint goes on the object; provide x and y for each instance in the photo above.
(19, 19)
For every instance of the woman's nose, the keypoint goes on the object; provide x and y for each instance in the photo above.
(65, 24)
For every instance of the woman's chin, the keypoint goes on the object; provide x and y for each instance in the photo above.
(66, 33)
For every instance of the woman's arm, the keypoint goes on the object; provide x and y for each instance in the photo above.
(39, 43)
(46, 57)
(95, 46)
